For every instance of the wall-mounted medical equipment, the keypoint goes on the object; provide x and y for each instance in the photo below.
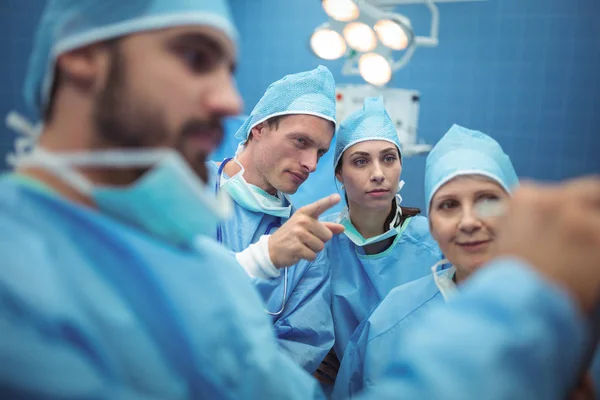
(402, 106)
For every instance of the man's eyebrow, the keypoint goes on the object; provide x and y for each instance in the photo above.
(191, 40)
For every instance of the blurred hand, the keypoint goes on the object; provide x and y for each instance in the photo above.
(556, 229)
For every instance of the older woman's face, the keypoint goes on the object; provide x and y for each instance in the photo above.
(466, 239)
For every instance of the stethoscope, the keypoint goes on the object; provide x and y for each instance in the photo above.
(273, 225)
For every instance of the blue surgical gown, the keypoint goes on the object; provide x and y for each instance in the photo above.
(91, 308)
(359, 281)
(507, 335)
(304, 327)
(367, 352)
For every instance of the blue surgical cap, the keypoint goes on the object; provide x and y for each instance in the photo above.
(309, 92)
(70, 24)
(370, 123)
(466, 152)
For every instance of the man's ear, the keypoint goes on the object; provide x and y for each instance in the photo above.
(259, 131)
(87, 67)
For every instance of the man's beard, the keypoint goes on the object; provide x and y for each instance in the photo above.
(123, 121)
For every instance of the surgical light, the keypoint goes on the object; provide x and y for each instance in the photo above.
(391, 34)
(327, 44)
(375, 42)
(360, 36)
(341, 10)
(375, 69)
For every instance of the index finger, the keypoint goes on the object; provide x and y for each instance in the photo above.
(320, 206)
(586, 189)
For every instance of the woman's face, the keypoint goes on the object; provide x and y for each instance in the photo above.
(370, 174)
(466, 239)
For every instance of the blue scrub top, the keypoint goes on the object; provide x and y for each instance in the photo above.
(367, 353)
(359, 281)
(92, 308)
(304, 327)
(507, 334)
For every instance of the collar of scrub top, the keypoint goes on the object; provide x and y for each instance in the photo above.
(443, 279)
(273, 225)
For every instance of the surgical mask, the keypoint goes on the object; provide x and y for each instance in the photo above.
(354, 235)
(253, 198)
(169, 201)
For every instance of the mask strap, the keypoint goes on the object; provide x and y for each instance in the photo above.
(57, 166)
(442, 284)
(398, 201)
(239, 150)
(29, 136)
(24, 146)
(400, 185)
(240, 173)
(398, 215)
(114, 158)
(61, 164)
(398, 196)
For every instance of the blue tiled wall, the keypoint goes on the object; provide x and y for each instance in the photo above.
(525, 71)
(18, 20)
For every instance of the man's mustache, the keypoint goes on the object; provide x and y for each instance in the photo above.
(211, 127)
